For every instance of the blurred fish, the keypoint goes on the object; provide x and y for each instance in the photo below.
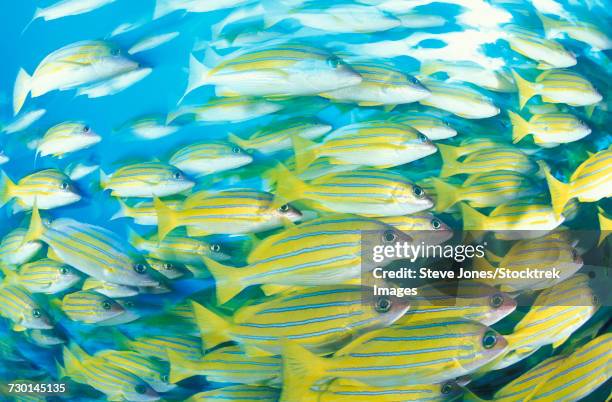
(203, 158)
(24, 121)
(147, 179)
(188, 347)
(90, 307)
(589, 182)
(169, 270)
(506, 158)
(459, 99)
(576, 29)
(371, 143)
(67, 8)
(45, 337)
(149, 127)
(548, 53)
(47, 189)
(143, 212)
(548, 130)
(468, 71)
(153, 371)
(43, 276)
(3, 157)
(15, 251)
(433, 127)
(151, 42)
(228, 364)
(277, 135)
(557, 86)
(282, 69)
(235, 393)
(18, 306)
(232, 211)
(71, 66)
(233, 109)
(320, 319)
(322, 251)
(91, 249)
(362, 191)
(67, 137)
(417, 20)
(114, 84)
(108, 288)
(78, 170)
(381, 84)
(163, 7)
(439, 351)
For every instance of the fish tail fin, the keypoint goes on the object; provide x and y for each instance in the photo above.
(213, 327)
(180, 367)
(241, 142)
(559, 191)
(301, 369)
(449, 155)
(605, 225)
(431, 67)
(446, 194)
(198, 74)
(72, 366)
(6, 189)
(134, 238)
(288, 186)
(526, 89)
(167, 218)
(123, 211)
(228, 281)
(548, 23)
(103, 179)
(472, 219)
(36, 228)
(520, 127)
(589, 109)
(162, 7)
(305, 152)
(23, 85)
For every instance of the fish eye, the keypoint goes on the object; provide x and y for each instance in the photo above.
(36, 313)
(574, 254)
(595, 300)
(107, 305)
(129, 304)
(333, 62)
(164, 378)
(236, 150)
(177, 175)
(115, 52)
(167, 266)
(436, 224)
(389, 236)
(446, 123)
(140, 268)
(284, 208)
(489, 339)
(496, 300)
(140, 389)
(418, 191)
(414, 80)
(86, 129)
(423, 138)
(64, 185)
(447, 388)
(215, 248)
(64, 271)
(383, 304)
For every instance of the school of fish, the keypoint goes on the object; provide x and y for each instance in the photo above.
(228, 267)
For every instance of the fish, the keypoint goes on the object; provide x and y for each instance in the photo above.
(147, 180)
(169, 270)
(431, 126)
(339, 18)
(364, 191)
(115, 382)
(243, 393)
(21, 308)
(90, 307)
(67, 8)
(422, 226)
(548, 53)
(209, 157)
(67, 137)
(322, 251)
(371, 143)
(542, 253)
(115, 84)
(24, 121)
(605, 226)
(548, 130)
(177, 248)
(231, 211)
(579, 30)
(225, 110)
(506, 158)
(474, 73)
(15, 251)
(320, 319)
(227, 365)
(280, 69)
(557, 86)
(439, 351)
(588, 182)
(154, 372)
(381, 84)
(69, 67)
(470, 300)
(164, 7)
(459, 99)
(91, 249)
(48, 189)
(109, 289)
(277, 135)
(151, 42)
(149, 127)
(78, 170)
(143, 212)
(44, 276)
(157, 346)
(483, 190)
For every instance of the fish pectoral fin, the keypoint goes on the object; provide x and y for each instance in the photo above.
(19, 328)
(52, 255)
(560, 342)
(254, 351)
